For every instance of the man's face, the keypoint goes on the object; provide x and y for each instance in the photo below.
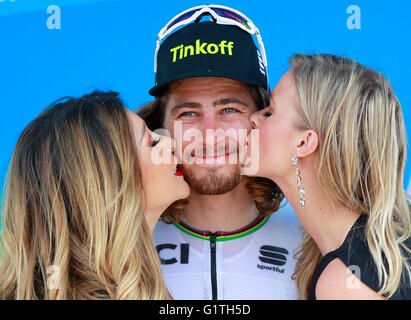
(211, 164)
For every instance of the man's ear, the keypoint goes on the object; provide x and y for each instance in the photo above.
(307, 143)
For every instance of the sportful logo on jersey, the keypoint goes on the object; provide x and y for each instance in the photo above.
(275, 256)
(182, 51)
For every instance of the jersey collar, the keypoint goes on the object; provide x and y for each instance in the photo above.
(222, 235)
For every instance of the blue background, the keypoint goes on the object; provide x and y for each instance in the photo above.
(110, 45)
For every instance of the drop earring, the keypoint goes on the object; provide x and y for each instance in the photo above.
(301, 190)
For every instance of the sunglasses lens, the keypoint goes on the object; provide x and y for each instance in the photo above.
(231, 15)
(224, 13)
(183, 17)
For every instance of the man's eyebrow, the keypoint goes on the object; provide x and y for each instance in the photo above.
(191, 105)
(230, 100)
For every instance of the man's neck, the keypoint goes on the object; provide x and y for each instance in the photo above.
(226, 212)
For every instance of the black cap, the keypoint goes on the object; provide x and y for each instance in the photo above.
(208, 49)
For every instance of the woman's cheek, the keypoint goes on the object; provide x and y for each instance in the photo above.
(264, 136)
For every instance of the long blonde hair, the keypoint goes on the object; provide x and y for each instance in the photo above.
(73, 224)
(360, 159)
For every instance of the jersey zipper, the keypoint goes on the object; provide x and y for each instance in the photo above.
(213, 249)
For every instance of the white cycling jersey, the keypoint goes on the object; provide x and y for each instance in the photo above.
(254, 262)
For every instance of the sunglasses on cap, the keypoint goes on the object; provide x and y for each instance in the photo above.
(220, 15)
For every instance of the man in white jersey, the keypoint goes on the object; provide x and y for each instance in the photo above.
(223, 242)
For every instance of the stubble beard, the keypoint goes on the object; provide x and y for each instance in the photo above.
(213, 182)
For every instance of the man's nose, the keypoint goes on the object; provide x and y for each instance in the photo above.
(173, 149)
(209, 122)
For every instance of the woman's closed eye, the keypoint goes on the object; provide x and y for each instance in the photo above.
(267, 114)
(154, 140)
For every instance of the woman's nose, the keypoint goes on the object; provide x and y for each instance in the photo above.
(172, 144)
(256, 118)
(175, 151)
(171, 147)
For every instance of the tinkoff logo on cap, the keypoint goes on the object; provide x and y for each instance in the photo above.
(207, 49)
(182, 51)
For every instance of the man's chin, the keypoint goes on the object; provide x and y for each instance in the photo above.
(212, 180)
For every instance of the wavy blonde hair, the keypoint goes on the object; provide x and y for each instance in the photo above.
(73, 224)
(360, 159)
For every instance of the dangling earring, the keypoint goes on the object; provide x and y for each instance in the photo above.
(301, 191)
